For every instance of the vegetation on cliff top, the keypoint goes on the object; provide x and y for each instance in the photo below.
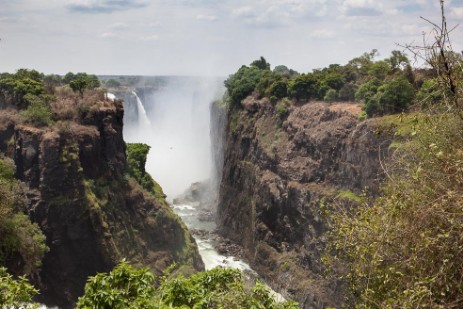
(136, 161)
(384, 86)
(406, 249)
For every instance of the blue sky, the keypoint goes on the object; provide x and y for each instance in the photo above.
(207, 37)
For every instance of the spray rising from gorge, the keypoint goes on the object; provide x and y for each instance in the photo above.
(174, 119)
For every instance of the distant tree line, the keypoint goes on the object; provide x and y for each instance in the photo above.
(384, 86)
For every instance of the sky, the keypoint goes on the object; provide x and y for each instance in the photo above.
(207, 37)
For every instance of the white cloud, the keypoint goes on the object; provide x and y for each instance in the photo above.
(108, 35)
(322, 34)
(149, 38)
(206, 17)
(104, 6)
(119, 26)
(272, 13)
(362, 7)
(457, 12)
(244, 11)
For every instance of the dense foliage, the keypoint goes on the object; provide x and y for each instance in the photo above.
(405, 250)
(126, 287)
(81, 81)
(15, 294)
(21, 241)
(14, 87)
(136, 160)
(385, 86)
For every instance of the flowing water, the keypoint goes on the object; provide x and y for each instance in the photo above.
(175, 121)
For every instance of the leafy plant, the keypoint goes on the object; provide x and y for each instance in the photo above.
(38, 112)
(127, 287)
(15, 294)
(123, 287)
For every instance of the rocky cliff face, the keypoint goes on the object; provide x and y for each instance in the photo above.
(278, 168)
(91, 213)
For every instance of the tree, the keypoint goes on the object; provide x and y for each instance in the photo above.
(304, 87)
(396, 95)
(398, 60)
(81, 81)
(68, 77)
(14, 87)
(282, 69)
(112, 83)
(79, 85)
(242, 83)
(261, 64)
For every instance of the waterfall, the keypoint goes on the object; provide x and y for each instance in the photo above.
(142, 117)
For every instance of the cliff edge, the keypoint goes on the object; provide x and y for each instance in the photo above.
(280, 163)
(91, 212)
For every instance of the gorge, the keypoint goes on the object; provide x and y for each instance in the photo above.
(270, 176)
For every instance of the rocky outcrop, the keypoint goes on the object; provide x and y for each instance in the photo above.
(278, 169)
(91, 213)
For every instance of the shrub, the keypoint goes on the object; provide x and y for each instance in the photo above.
(396, 95)
(242, 83)
(347, 92)
(126, 287)
(331, 96)
(136, 160)
(15, 293)
(304, 87)
(38, 113)
(405, 250)
(278, 89)
(18, 235)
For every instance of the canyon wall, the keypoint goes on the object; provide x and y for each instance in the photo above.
(281, 163)
(92, 214)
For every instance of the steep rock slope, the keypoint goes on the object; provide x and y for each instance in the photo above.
(92, 214)
(280, 164)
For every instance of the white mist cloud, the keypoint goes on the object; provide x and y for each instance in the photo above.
(178, 132)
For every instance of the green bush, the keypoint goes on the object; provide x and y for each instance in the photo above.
(18, 235)
(136, 160)
(396, 95)
(126, 287)
(304, 87)
(242, 83)
(331, 96)
(15, 294)
(368, 89)
(123, 287)
(38, 112)
(405, 250)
